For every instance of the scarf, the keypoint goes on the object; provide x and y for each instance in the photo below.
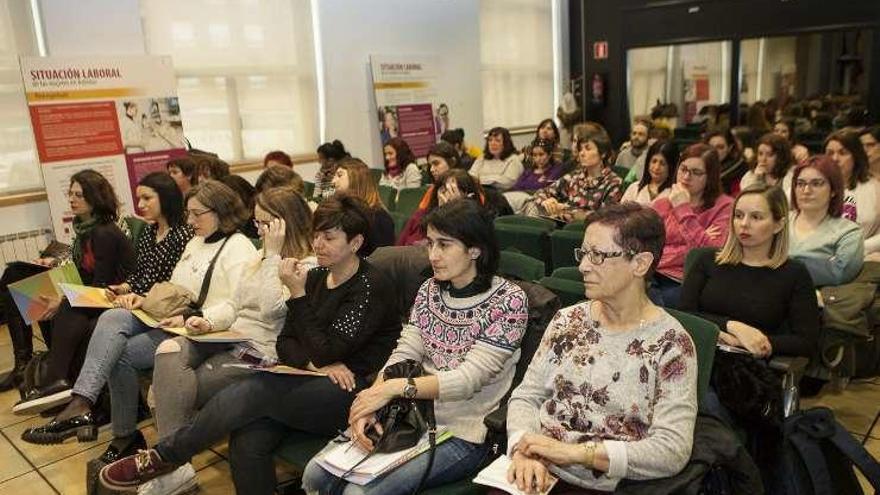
(82, 228)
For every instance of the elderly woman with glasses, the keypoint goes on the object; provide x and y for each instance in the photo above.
(611, 392)
(696, 213)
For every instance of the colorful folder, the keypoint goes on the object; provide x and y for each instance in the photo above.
(83, 296)
(26, 293)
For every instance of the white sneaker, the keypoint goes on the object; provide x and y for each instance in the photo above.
(178, 482)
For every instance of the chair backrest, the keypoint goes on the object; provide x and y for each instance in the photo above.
(568, 273)
(520, 266)
(136, 226)
(562, 246)
(575, 225)
(620, 171)
(543, 306)
(376, 174)
(388, 195)
(308, 189)
(408, 199)
(704, 333)
(526, 221)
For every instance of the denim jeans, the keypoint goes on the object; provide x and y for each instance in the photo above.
(120, 346)
(454, 459)
(669, 291)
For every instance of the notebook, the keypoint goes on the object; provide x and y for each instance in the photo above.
(495, 475)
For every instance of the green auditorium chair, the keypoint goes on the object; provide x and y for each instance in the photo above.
(527, 235)
(308, 189)
(408, 199)
(376, 174)
(567, 283)
(388, 195)
(520, 266)
(562, 246)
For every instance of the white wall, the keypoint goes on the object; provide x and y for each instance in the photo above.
(351, 31)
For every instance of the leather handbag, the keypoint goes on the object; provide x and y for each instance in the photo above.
(404, 421)
(166, 299)
(749, 389)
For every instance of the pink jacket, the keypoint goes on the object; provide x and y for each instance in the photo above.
(686, 229)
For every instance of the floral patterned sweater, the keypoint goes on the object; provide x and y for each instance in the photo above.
(471, 344)
(580, 191)
(634, 391)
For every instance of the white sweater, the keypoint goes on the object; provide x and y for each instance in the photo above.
(500, 174)
(866, 197)
(410, 178)
(190, 270)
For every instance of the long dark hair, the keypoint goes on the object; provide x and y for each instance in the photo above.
(470, 223)
(404, 153)
(507, 143)
(99, 194)
(552, 124)
(170, 197)
(850, 140)
(710, 159)
(669, 151)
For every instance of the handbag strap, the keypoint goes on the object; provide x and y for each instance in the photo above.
(432, 446)
(206, 282)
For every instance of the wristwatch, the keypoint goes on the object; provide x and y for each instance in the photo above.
(590, 454)
(410, 390)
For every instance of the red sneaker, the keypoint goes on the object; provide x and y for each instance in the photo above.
(129, 472)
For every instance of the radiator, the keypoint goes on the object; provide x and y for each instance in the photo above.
(23, 246)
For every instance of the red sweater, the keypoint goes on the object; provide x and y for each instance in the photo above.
(686, 229)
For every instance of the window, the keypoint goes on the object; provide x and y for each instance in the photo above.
(19, 167)
(516, 56)
(245, 72)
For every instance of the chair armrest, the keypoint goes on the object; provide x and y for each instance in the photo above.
(496, 421)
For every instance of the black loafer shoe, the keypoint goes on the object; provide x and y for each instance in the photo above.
(115, 452)
(39, 399)
(82, 426)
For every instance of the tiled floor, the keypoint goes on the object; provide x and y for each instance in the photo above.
(37, 470)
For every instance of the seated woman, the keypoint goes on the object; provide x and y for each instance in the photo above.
(661, 158)
(246, 192)
(186, 373)
(455, 137)
(278, 158)
(401, 171)
(441, 159)
(733, 166)
(775, 310)
(861, 199)
(185, 172)
(353, 177)
(279, 176)
(786, 128)
(611, 392)
(696, 213)
(547, 130)
(542, 168)
(831, 247)
(341, 320)
(870, 138)
(500, 166)
(470, 356)
(122, 344)
(589, 188)
(773, 164)
(157, 251)
(329, 154)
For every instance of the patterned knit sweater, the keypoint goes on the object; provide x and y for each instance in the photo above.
(471, 344)
(635, 391)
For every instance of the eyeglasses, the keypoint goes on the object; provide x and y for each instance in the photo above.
(695, 172)
(813, 183)
(197, 213)
(598, 257)
(262, 223)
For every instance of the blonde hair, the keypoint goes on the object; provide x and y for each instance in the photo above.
(732, 253)
(287, 204)
(360, 182)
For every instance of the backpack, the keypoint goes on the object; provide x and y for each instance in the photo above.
(818, 456)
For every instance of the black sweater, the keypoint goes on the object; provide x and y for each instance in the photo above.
(780, 302)
(356, 323)
(108, 256)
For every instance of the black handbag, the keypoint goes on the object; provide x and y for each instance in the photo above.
(404, 421)
(749, 389)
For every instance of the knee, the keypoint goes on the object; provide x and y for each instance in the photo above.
(170, 346)
(113, 320)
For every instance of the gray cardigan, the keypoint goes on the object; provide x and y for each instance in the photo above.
(833, 253)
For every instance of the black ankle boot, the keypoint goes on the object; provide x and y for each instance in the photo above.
(14, 378)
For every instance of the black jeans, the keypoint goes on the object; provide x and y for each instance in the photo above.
(70, 341)
(20, 333)
(259, 411)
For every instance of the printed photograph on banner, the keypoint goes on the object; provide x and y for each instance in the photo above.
(387, 123)
(57, 177)
(150, 124)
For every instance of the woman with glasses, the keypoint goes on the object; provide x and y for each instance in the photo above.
(696, 213)
(157, 250)
(611, 392)
(122, 345)
(774, 311)
(831, 246)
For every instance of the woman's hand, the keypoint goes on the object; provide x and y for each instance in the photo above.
(528, 474)
(713, 232)
(48, 261)
(553, 451)
(52, 304)
(120, 289)
(128, 301)
(293, 275)
(359, 430)
(370, 400)
(197, 325)
(273, 238)
(729, 339)
(800, 153)
(752, 339)
(678, 195)
(172, 322)
(552, 207)
(339, 374)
